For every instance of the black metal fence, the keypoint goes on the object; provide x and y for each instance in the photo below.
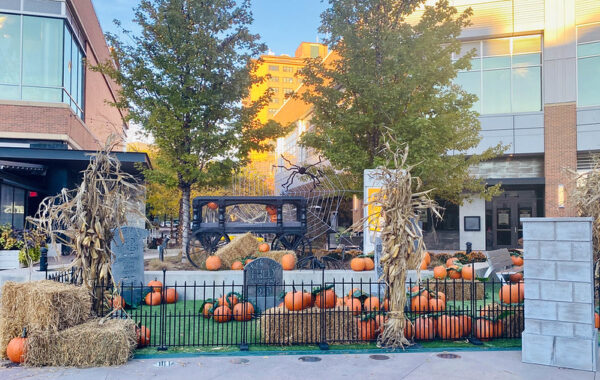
(309, 313)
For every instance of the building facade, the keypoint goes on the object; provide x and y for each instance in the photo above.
(53, 108)
(536, 74)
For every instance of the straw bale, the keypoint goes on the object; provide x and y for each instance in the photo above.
(276, 255)
(284, 327)
(91, 344)
(41, 305)
(239, 248)
(454, 289)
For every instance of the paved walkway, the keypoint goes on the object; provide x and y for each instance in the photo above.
(501, 365)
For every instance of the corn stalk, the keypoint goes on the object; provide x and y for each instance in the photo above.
(86, 218)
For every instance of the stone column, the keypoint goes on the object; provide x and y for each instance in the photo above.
(559, 293)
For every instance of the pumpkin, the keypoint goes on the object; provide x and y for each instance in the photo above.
(248, 261)
(153, 298)
(170, 296)
(371, 304)
(355, 292)
(452, 261)
(453, 272)
(273, 218)
(243, 311)
(326, 299)
(17, 348)
(212, 205)
(427, 258)
(386, 304)
(231, 300)
(423, 265)
(437, 304)
(409, 329)
(517, 260)
(419, 304)
(263, 247)
(367, 329)
(380, 321)
(467, 272)
(465, 323)
(424, 328)
(118, 302)
(271, 210)
(213, 263)
(340, 301)
(513, 293)
(354, 305)
(439, 295)
(440, 272)
(143, 336)
(516, 277)
(295, 301)
(288, 261)
(486, 329)
(357, 264)
(308, 301)
(237, 265)
(222, 314)
(369, 264)
(155, 285)
(597, 320)
(206, 309)
(418, 291)
(448, 327)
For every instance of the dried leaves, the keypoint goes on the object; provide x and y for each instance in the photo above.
(85, 218)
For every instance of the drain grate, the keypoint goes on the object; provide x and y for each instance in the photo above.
(448, 356)
(379, 357)
(239, 361)
(164, 363)
(309, 359)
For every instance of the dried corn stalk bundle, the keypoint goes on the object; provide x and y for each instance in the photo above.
(402, 239)
(86, 217)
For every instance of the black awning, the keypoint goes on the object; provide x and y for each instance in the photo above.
(23, 167)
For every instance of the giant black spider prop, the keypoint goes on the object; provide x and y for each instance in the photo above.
(302, 170)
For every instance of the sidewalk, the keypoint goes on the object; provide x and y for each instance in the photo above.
(489, 365)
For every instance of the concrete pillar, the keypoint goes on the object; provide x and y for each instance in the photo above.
(559, 293)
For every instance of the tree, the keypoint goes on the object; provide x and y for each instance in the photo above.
(395, 77)
(183, 79)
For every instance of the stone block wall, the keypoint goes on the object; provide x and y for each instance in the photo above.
(559, 293)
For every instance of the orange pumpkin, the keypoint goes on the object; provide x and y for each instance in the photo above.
(222, 314)
(213, 263)
(467, 272)
(513, 293)
(423, 265)
(153, 298)
(340, 301)
(230, 301)
(273, 218)
(248, 261)
(409, 329)
(371, 304)
(243, 311)
(440, 272)
(427, 258)
(448, 327)
(288, 261)
(206, 309)
(367, 329)
(118, 302)
(465, 322)
(369, 264)
(597, 320)
(453, 272)
(439, 295)
(516, 277)
(237, 265)
(354, 291)
(271, 210)
(17, 348)
(295, 301)
(380, 321)
(357, 264)
(308, 301)
(143, 336)
(155, 285)
(437, 304)
(419, 304)
(212, 205)
(416, 290)
(354, 305)
(517, 260)
(386, 305)
(171, 296)
(451, 261)
(326, 299)
(424, 328)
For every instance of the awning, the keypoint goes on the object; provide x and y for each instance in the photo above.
(22, 167)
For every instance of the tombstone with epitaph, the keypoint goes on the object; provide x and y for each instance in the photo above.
(263, 282)
(128, 262)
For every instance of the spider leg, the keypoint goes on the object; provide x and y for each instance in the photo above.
(289, 181)
(286, 160)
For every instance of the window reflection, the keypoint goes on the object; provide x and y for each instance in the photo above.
(588, 65)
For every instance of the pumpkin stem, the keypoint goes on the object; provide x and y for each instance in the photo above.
(24, 335)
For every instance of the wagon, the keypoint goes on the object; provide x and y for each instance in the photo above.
(278, 219)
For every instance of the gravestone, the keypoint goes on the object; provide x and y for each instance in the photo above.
(128, 262)
(263, 282)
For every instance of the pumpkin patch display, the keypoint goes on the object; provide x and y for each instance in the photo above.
(17, 348)
(357, 264)
(222, 314)
(213, 263)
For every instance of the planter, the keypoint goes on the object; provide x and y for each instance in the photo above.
(9, 259)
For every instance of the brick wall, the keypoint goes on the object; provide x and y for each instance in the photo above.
(559, 293)
(560, 140)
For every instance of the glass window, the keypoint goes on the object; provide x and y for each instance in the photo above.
(67, 65)
(287, 91)
(10, 49)
(10, 4)
(6, 204)
(526, 94)
(275, 100)
(288, 69)
(275, 90)
(41, 94)
(42, 51)
(588, 65)
(496, 91)
(288, 80)
(314, 51)
(19, 208)
(9, 92)
(274, 79)
(273, 68)
(471, 83)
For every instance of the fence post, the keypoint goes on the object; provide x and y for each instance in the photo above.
(163, 315)
(244, 343)
(323, 345)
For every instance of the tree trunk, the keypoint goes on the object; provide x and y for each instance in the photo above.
(184, 221)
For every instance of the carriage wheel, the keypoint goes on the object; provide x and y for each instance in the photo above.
(292, 242)
(202, 244)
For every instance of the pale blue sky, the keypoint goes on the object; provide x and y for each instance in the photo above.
(282, 24)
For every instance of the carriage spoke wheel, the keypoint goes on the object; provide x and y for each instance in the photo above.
(203, 244)
(292, 242)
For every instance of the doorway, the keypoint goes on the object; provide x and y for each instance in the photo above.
(507, 211)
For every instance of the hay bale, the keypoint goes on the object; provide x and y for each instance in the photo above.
(41, 306)
(284, 327)
(458, 290)
(276, 255)
(90, 344)
(239, 248)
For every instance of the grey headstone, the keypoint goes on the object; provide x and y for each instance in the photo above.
(128, 262)
(263, 282)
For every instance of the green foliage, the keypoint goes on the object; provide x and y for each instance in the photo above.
(394, 78)
(9, 240)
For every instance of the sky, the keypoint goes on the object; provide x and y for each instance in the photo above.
(282, 24)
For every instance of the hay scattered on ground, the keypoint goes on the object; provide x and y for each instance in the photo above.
(42, 306)
(276, 255)
(284, 327)
(87, 345)
(240, 247)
